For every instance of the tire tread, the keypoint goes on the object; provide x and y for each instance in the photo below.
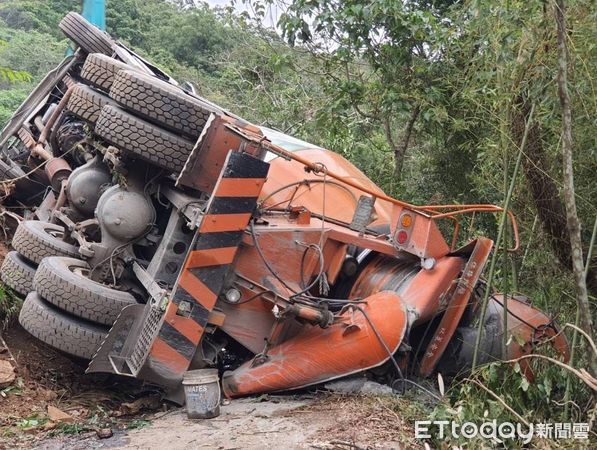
(76, 294)
(31, 241)
(17, 273)
(85, 35)
(161, 103)
(149, 142)
(59, 330)
(99, 70)
(87, 103)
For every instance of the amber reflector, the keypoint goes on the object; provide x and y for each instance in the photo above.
(406, 221)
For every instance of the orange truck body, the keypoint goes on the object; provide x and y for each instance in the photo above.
(281, 265)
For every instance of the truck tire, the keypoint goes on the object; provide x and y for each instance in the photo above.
(60, 330)
(17, 273)
(99, 70)
(161, 103)
(87, 103)
(129, 133)
(87, 36)
(62, 282)
(36, 240)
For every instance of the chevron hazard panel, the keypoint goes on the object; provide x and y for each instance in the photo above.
(199, 283)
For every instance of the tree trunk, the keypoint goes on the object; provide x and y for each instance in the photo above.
(550, 208)
(570, 201)
(400, 149)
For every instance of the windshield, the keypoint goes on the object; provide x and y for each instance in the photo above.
(288, 143)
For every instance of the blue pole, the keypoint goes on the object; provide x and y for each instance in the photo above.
(95, 12)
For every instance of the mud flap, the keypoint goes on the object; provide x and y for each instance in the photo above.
(131, 329)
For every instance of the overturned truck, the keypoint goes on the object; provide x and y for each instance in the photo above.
(164, 233)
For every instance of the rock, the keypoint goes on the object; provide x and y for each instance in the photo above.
(104, 433)
(7, 374)
(346, 385)
(358, 385)
(59, 416)
(373, 388)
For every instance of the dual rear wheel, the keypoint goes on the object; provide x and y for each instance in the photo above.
(63, 307)
(142, 115)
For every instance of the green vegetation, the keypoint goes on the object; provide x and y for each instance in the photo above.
(10, 305)
(429, 98)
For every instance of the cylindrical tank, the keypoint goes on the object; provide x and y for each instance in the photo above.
(124, 214)
(86, 185)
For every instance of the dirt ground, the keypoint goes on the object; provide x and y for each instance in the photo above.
(135, 417)
(279, 422)
(104, 411)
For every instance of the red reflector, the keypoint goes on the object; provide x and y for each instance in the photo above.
(401, 237)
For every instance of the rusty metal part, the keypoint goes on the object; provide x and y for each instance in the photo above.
(43, 137)
(61, 200)
(36, 149)
(456, 306)
(527, 328)
(39, 149)
(41, 152)
(58, 171)
(312, 315)
(26, 137)
(211, 150)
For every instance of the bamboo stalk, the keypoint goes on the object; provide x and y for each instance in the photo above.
(499, 238)
(505, 286)
(572, 220)
(568, 391)
(505, 289)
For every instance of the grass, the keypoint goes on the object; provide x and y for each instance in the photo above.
(136, 424)
(10, 305)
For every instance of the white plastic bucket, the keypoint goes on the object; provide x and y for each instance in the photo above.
(202, 393)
